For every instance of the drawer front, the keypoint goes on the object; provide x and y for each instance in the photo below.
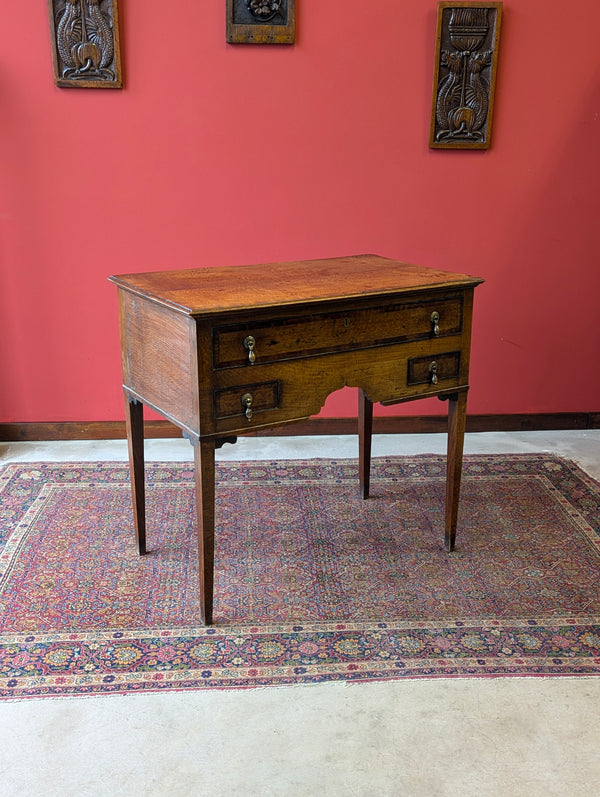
(297, 389)
(246, 400)
(433, 369)
(237, 345)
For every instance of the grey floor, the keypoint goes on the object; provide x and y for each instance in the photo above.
(466, 737)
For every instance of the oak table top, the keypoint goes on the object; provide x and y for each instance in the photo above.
(214, 289)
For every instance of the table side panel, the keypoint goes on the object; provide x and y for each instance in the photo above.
(159, 358)
(465, 361)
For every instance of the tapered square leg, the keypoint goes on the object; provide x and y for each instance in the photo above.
(204, 459)
(134, 421)
(365, 429)
(457, 415)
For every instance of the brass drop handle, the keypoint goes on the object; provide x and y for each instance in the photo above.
(435, 320)
(433, 372)
(247, 400)
(249, 344)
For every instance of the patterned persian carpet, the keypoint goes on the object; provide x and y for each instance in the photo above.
(312, 583)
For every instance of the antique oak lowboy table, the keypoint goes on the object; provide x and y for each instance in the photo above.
(222, 351)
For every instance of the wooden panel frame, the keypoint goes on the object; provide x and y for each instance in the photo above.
(278, 27)
(464, 82)
(86, 51)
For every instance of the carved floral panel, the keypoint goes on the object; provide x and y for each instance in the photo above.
(85, 43)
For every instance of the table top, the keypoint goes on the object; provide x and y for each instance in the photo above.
(204, 291)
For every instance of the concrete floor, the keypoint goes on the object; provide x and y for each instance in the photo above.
(466, 737)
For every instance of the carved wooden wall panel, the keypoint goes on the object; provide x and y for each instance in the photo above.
(261, 21)
(85, 43)
(465, 74)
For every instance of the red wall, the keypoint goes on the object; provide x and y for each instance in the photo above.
(230, 154)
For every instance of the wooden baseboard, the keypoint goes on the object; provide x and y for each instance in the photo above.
(398, 424)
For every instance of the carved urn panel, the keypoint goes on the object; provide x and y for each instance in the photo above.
(465, 74)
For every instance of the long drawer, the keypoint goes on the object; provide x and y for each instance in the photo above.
(237, 345)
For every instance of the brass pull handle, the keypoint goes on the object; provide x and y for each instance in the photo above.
(250, 343)
(433, 372)
(247, 400)
(435, 320)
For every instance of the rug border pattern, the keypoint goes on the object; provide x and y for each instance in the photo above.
(243, 656)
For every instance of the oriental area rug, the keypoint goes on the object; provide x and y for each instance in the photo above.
(312, 583)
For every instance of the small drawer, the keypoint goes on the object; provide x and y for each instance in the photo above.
(263, 342)
(433, 369)
(234, 401)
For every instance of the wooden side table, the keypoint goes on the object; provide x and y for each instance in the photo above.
(222, 351)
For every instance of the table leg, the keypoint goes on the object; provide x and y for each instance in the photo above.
(204, 459)
(134, 421)
(457, 413)
(365, 428)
